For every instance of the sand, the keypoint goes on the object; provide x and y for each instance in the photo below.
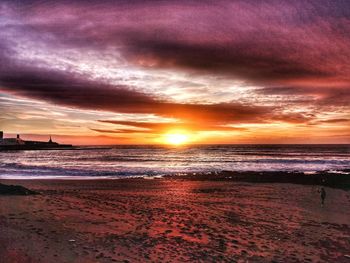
(173, 220)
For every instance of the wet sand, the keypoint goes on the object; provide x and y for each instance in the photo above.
(173, 220)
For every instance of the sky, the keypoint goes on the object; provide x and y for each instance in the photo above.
(134, 72)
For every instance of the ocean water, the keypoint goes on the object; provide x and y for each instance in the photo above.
(131, 161)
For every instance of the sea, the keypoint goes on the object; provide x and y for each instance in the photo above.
(155, 161)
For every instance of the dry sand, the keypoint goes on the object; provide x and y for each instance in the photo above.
(160, 220)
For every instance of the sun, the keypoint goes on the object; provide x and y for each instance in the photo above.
(176, 138)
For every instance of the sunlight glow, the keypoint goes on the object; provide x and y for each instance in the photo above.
(176, 138)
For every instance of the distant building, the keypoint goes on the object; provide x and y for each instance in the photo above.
(10, 141)
(19, 144)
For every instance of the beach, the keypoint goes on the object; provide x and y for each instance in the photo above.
(174, 131)
(173, 220)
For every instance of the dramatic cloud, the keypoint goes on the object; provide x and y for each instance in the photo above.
(264, 42)
(78, 91)
(327, 96)
(157, 127)
(72, 91)
(210, 65)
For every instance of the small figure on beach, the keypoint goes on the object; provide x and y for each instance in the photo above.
(322, 192)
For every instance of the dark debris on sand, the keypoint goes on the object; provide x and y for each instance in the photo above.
(15, 190)
(324, 178)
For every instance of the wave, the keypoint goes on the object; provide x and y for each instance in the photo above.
(152, 160)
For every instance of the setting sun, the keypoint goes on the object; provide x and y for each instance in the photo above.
(176, 138)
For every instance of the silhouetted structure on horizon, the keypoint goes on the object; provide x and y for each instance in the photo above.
(19, 144)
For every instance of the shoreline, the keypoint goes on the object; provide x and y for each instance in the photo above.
(334, 179)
